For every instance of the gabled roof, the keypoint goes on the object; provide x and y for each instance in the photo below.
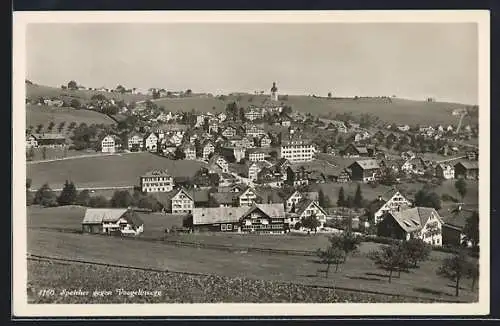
(157, 173)
(100, 215)
(214, 215)
(469, 165)
(367, 164)
(272, 210)
(187, 193)
(413, 219)
(225, 198)
(304, 204)
(48, 136)
(457, 218)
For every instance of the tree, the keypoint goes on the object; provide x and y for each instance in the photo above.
(358, 198)
(28, 183)
(30, 154)
(45, 197)
(329, 94)
(51, 125)
(188, 92)
(68, 194)
(290, 176)
(455, 268)
(98, 202)
(461, 187)
(311, 222)
(150, 202)
(39, 127)
(471, 229)
(74, 103)
(72, 85)
(61, 125)
(416, 250)
(323, 200)
(390, 258)
(347, 242)
(341, 200)
(121, 198)
(29, 195)
(83, 198)
(473, 273)
(330, 256)
(179, 154)
(44, 152)
(424, 198)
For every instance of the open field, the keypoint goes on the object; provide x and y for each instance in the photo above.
(44, 115)
(358, 273)
(36, 91)
(399, 111)
(106, 171)
(168, 287)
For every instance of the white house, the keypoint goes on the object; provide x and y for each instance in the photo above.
(151, 142)
(157, 181)
(306, 208)
(390, 201)
(182, 202)
(135, 142)
(110, 220)
(109, 144)
(218, 163)
(247, 198)
(208, 148)
(445, 171)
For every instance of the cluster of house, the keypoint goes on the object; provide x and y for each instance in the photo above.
(35, 140)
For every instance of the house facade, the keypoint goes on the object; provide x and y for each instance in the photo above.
(391, 201)
(364, 170)
(247, 197)
(157, 181)
(419, 222)
(208, 148)
(135, 142)
(151, 142)
(445, 171)
(182, 202)
(467, 170)
(300, 150)
(109, 144)
(190, 152)
(256, 155)
(112, 221)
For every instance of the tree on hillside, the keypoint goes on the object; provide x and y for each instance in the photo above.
(51, 126)
(44, 153)
(425, 198)
(329, 94)
(72, 85)
(75, 104)
(455, 268)
(358, 198)
(330, 256)
(98, 202)
(98, 97)
(417, 251)
(347, 242)
(179, 154)
(28, 183)
(30, 154)
(311, 223)
(241, 114)
(150, 202)
(45, 197)
(341, 202)
(391, 258)
(68, 194)
(121, 198)
(188, 92)
(323, 200)
(39, 128)
(473, 273)
(461, 187)
(61, 125)
(471, 229)
(29, 195)
(290, 176)
(83, 198)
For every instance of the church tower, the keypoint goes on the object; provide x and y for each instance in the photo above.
(274, 92)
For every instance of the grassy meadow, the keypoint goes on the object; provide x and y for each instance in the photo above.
(105, 171)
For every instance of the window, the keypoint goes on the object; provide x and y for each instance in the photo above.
(223, 227)
(229, 227)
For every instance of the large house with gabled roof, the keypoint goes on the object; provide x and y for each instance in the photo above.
(390, 201)
(121, 221)
(364, 170)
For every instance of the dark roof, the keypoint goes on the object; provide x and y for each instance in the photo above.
(367, 164)
(227, 198)
(469, 165)
(201, 195)
(457, 218)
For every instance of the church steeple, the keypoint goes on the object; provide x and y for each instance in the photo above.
(274, 92)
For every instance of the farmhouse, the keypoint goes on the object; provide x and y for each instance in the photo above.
(264, 218)
(253, 131)
(182, 202)
(254, 113)
(253, 169)
(467, 170)
(189, 151)
(306, 208)
(364, 170)
(229, 131)
(218, 218)
(445, 171)
(352, 150)
(157, 181)
(207, 149)
(390, 201)
(454, 224)
(264, 141)
(109, 144)
(218, 164)
(112, 221)
(256, 155)
(151, 142)
(45, 140)
(418, 222)
(292, 200)
(416, 165)
(135, 142)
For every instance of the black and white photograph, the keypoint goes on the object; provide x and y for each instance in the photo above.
(286, 162)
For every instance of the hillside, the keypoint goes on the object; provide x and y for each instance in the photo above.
(36, 91)
(44, 115)
(399, 111)
(106, 171)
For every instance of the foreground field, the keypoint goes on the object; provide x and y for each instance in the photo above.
(108, 171)
(399, 111)
(358, 273)
(167, 287)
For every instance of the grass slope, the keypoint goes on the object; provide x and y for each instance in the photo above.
(106, 171)
(357, 273)
(399, 111)
(36, 91)
(42, 114)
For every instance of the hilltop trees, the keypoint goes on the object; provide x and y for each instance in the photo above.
(323, 200)
(68, 194)
(461, 187)
(121, 198)
(45, 197)
(83, 198)
(72, 85)
(425, 198)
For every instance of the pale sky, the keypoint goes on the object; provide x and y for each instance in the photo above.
(409, 60)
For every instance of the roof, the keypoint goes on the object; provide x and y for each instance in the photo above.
(225, 198)
(304, 204)
(367, 164)
(270, 196)
(276, 210)
(48, 136)
(201, 195)
(360, 149)
(99, 215)
(413, 219)
(468, 164)
(217, 215)
(156, 173)
(457, 218)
